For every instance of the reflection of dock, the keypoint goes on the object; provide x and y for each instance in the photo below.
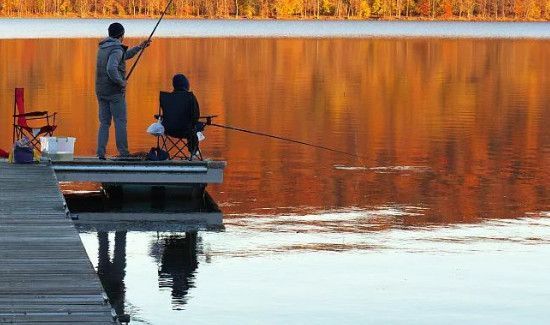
(45, 274)
(113, 221)
(144, 207)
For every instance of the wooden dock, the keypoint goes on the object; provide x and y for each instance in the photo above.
(45, 273)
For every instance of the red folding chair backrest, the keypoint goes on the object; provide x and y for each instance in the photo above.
(20, 104)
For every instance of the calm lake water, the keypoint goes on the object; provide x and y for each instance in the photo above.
(446, 219)
(61, 28)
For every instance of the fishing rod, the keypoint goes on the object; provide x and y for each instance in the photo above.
(149, 39)
(284, 139)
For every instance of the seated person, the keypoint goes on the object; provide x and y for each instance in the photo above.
(183, 120)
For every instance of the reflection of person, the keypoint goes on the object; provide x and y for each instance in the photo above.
(178, 265)
(110, 86)
(181, 85)
(112, 273)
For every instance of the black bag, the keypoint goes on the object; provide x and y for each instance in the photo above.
(157, 154)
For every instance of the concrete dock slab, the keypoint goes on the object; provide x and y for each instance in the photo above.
(139, 172)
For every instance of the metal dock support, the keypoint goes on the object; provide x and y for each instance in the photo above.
(45, 273)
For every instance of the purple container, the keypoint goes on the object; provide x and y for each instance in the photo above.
(23, 155)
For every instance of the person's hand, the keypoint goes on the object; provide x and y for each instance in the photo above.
(145, 44)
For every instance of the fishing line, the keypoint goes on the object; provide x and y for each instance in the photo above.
(149, 39)
(285, 139)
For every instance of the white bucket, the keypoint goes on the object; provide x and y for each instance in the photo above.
(57, 148)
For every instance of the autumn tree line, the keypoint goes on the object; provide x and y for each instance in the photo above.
(293, 9)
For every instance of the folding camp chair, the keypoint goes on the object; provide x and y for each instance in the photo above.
(179, 111)
(21, 126)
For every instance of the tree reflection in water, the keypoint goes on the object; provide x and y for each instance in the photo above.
(177, 258)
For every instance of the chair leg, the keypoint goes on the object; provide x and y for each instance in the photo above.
(163, 145)
(14, 118)
(175, 147)
(200, 153)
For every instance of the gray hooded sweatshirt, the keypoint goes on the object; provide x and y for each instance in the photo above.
(110, 74)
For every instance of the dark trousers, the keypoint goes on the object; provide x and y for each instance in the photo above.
(112, 108)
(192, 142)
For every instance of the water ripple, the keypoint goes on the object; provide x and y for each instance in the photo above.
(364, 231)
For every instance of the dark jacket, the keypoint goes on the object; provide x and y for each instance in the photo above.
(195, 111)
(194, 104)
(180, 110)
(110, 75)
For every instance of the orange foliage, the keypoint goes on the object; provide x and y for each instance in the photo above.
(362, 9)
(424, 8)
(447, 9)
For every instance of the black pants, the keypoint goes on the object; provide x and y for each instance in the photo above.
(192, 142)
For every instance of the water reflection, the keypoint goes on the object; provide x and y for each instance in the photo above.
(411, 271)
(112, 271)
(178, 263)
(176, 255)
(455, 132)
(456, 126)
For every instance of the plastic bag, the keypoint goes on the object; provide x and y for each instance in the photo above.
(200, 136)
(156, 128)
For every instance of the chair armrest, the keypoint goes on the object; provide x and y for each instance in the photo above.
(208, 118)
(38, 116)
(32, 114)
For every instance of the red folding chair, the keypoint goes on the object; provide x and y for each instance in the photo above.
(21, 126)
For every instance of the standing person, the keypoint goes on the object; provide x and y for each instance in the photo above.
(110, 87)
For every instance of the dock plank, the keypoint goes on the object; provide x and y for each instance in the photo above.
(45, 274)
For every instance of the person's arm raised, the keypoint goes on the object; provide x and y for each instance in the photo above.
(130, 53)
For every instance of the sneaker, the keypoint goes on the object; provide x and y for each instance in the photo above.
(195, 157)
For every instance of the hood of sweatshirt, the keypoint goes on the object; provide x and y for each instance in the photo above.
(109, 42)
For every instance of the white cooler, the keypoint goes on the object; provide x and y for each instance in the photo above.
(57, 148)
